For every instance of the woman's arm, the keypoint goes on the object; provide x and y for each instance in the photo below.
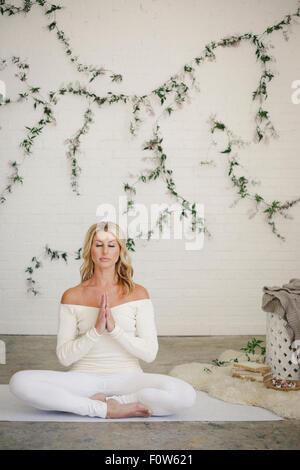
(69, 349)
(144, 345)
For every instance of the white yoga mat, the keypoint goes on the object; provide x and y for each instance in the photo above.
(206, 408)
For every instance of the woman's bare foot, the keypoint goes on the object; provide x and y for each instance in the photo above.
(119, 410)
(99, 396)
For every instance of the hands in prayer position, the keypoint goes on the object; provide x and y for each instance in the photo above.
(105, 319)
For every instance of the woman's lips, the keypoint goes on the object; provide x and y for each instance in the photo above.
(104, 259)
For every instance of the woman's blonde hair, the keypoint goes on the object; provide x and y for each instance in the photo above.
(123, 268)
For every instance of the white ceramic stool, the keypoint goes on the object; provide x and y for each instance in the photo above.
(279, 351)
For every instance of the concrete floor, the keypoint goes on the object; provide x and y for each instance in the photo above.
(38, 352)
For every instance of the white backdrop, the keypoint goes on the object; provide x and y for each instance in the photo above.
(213, 291)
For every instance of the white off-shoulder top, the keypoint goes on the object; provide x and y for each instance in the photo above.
(134, 337)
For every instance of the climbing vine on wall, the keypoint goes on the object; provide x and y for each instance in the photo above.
(241, 183)
(172, 95)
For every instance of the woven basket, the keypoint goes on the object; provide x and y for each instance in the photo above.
(279, 350)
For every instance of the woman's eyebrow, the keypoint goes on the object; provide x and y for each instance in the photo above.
(108, 241)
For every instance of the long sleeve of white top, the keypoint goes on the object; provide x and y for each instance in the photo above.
(71, 348)
(144, 345)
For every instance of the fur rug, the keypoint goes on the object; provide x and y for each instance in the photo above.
(217, 382)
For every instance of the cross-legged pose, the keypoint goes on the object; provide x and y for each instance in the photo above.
(103, 343)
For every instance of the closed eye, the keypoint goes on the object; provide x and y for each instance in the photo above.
(110, 246)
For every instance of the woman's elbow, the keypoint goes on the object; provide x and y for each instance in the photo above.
(150, 357)
(62, 359)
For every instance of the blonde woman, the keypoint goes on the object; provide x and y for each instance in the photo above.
(106, 324)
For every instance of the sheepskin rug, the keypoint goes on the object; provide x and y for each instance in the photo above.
(217, 382)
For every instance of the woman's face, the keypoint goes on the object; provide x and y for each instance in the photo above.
(105, 245)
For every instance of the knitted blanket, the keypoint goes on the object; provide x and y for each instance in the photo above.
(285, 302)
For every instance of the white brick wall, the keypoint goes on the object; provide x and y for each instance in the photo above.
(213, 291)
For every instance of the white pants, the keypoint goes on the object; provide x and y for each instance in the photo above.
(71, 391)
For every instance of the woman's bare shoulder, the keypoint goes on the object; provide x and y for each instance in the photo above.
(140, 292)
(71, 296)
